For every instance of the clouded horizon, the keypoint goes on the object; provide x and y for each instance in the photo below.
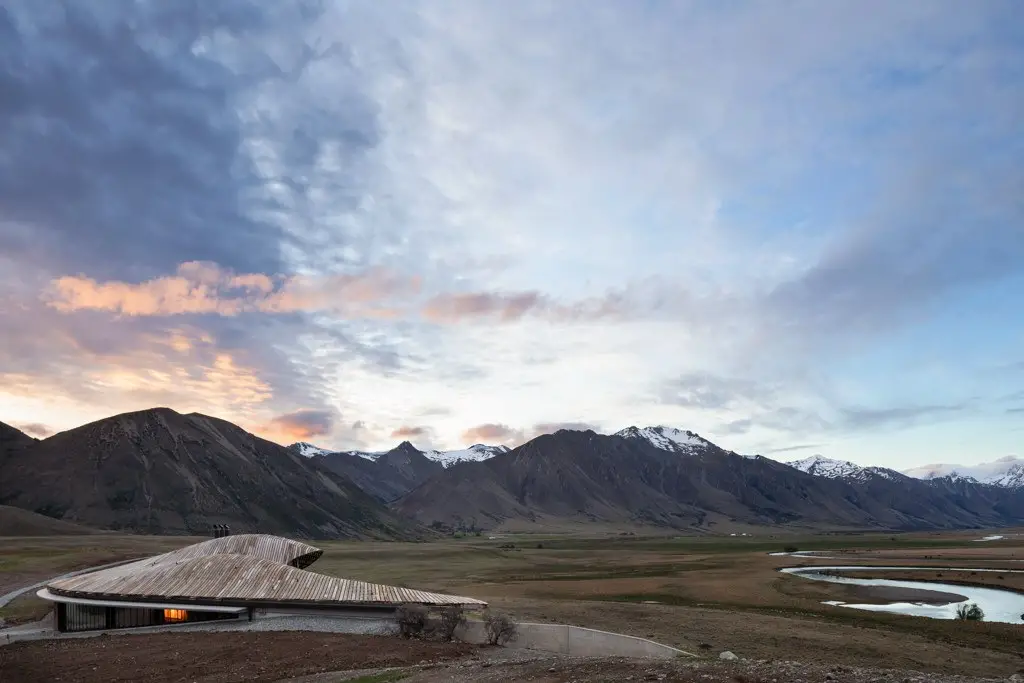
(793, 227)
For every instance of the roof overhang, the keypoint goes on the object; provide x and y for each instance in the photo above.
(45, 594)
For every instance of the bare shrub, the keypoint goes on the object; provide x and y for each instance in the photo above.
(790, 549)
(411, 620)
(970, 612)
(449, 620)
(499, 628)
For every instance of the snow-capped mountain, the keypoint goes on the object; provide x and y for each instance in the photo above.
(667, 438)
(1007, 472)
(308, 449)
(821, 466)
(475, 453)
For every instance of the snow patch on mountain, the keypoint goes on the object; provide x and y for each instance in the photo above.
(821, 466)
(1007, 472)
(667, 438)
(308, 449)
(475, 453)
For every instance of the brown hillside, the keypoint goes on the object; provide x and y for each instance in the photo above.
(17, 522)
(157, 471)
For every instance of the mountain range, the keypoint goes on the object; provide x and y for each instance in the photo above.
(158, 471)
(474, 453)
(672, 478)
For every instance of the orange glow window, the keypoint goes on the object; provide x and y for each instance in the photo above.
(172, 615)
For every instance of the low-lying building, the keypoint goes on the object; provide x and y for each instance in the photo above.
(229, 577)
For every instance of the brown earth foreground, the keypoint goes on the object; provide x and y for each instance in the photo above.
(292, 657)
(211, 657)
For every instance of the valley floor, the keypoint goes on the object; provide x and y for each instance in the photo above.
(702, 595)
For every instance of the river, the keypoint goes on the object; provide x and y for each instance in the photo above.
(999, 605)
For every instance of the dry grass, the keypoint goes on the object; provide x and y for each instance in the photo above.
(723, 591)
(25, 609)
(25, 560)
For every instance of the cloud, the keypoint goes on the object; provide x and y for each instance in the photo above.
(798, 447)
(493, 433)
(35, 429)
(510, 307)
(203, 288)
(736, 427)
(302, 425)
(869, 418)
(666, 196)
(156, 178)
(407, 432)
(710, 392)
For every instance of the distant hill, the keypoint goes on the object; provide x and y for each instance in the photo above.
(161, 472)
(17, 522)
(1007, 472)
(386, 476)
(670, 478)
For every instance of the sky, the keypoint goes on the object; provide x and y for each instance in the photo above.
(791, 226)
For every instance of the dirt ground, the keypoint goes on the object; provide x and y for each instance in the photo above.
(331, 658)
(550, 669)
(211, 657)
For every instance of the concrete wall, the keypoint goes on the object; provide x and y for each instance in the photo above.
(576, 640)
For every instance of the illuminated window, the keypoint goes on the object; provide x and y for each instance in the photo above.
(174, 615)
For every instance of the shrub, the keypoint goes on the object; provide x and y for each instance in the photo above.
(411, 620)
(499, 628)
(791, 549)
(449, 620)
(969, 612)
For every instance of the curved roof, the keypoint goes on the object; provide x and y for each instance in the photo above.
(205, 573)
(262, 546)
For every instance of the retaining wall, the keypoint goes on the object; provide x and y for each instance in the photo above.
(576, 640)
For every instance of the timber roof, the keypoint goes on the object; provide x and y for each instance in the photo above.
(252, 570)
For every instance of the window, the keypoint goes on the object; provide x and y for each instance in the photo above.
(172, 616)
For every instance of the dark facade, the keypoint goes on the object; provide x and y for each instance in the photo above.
(70, 617)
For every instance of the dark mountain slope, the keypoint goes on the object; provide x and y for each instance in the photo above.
(12, 439)
(388, 476)
(158, 471)
(584, 476)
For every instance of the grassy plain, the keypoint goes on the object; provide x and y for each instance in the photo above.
(702, 594)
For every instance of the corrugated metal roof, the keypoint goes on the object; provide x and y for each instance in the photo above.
(199, 575)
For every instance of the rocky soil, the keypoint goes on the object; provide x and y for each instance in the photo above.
(508, 666)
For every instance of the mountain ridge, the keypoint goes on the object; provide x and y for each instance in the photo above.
(632, 478)
(159, 471)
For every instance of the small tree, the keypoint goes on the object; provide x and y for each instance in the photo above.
(970, 612)
(449, 620)
(411, 620)
(499, 628)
